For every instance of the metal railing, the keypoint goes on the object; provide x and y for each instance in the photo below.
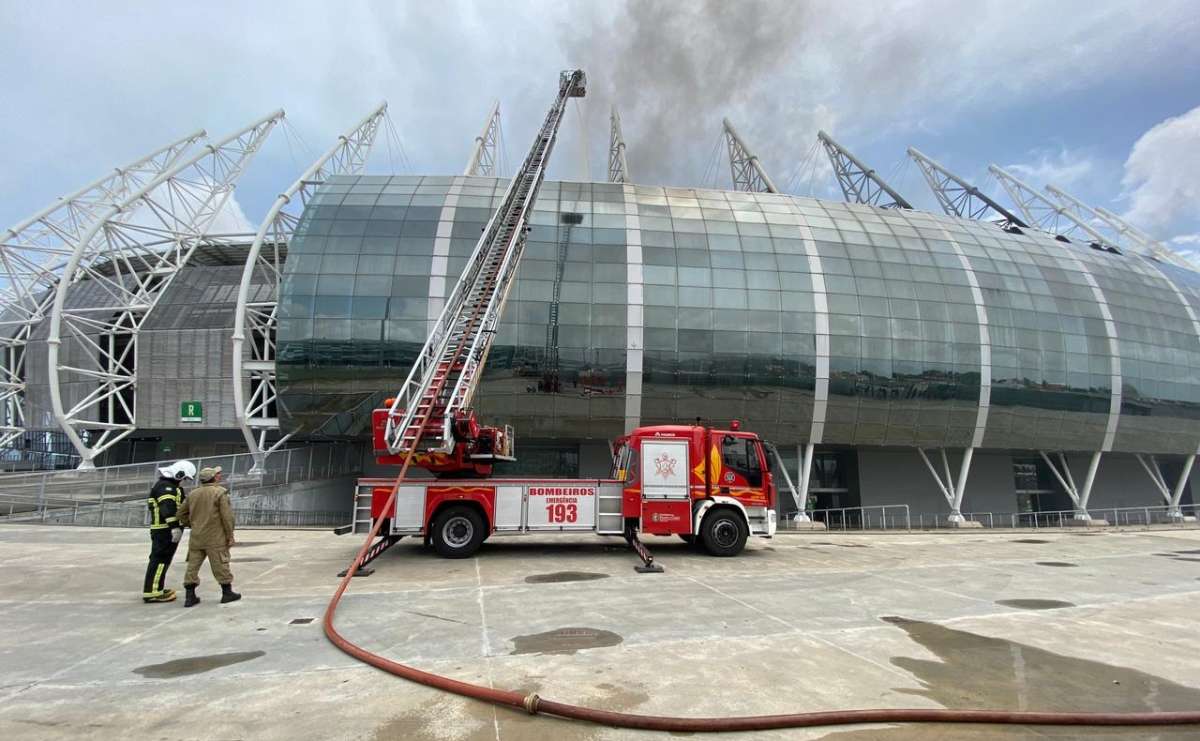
(1116, 516)
(934, 520)
(99, 496)
(877, 517)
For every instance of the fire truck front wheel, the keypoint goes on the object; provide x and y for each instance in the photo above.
(457, 532)
(724, 532)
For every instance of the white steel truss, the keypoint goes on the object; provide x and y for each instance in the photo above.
(958, 197)
(132, 264)
(1045, 214)
(618, 167)
(952, 490)
(1123, 235)
(744, 167)
(860, 184)
(1079, 496)
(255, 394)
(32, 255)
(483, 153)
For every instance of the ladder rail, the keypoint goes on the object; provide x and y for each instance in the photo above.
(482, 290)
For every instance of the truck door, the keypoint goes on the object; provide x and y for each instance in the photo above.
(743, 471)
(666, 493)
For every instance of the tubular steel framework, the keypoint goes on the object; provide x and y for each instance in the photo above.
(483, 153)
(32, 255)
(744, 167)
(1044, 213)
(860, 184)
(618, 167)
(958, 197)
(254, 390)
(1123, 235)
(133, 263)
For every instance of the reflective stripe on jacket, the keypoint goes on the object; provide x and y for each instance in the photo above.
(164, 502)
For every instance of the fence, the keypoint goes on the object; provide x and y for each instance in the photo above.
(928, 521)
(1117, 516)
(878, 517)
(101, 496)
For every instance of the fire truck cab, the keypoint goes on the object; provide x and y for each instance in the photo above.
(710, 487)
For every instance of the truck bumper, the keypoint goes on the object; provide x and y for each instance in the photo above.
(763, 522)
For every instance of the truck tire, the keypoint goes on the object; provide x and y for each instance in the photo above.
(724, 532)
(457, 532)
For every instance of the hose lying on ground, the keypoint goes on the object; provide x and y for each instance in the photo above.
(534, 704)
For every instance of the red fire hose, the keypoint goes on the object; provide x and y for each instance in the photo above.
(534, 704)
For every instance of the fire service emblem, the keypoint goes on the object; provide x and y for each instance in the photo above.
(664, 466)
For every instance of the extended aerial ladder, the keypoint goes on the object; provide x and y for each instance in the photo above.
(430, 418)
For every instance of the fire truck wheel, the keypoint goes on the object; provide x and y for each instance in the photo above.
(723, 532)
(457, 532)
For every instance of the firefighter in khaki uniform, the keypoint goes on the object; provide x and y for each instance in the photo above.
(207, 512)
(165, 531)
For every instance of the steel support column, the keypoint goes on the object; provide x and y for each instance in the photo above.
(1079, 496)
(618, 167)
(1171, 495)
(1045, 214)
(483, 153)
(254, 372)
(33, 254)
(952, 490)
(133, 264)
(860, 184)
(959, 198)
(806, 453)
(744, 167)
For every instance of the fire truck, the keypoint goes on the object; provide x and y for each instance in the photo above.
(710, 486)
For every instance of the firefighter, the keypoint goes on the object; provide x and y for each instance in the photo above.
(164, 503)
(208, 513)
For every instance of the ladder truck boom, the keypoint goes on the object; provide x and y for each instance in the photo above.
(431, 414)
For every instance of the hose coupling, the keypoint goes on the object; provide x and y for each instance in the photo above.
(531, 703)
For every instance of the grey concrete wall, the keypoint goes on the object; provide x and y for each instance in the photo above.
(898, 476)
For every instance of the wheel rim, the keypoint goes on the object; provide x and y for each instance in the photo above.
(725, 533)
(458, 531)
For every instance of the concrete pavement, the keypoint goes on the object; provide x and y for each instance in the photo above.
(812, 621)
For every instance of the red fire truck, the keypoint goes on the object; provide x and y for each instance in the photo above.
(709, 486)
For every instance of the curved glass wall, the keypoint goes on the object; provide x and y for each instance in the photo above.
(731, 318)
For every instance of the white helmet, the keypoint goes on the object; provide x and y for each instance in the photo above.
(179, 470)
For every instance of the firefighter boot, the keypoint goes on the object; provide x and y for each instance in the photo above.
(190, 599)
(228, 595)
(167, 595)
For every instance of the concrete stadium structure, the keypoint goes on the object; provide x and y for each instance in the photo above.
(1039, 359)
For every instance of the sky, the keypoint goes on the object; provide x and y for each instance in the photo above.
(1098, 98)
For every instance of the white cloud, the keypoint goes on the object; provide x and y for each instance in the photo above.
(231, 219)
(1162, 176)
(1062, 168)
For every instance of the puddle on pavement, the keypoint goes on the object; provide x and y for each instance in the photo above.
(248, 559)
(195, 665)
(555, 577)
(1029, 540)
(971, 671)
(1179, 558)
(252, 543)
(1193, 551)
(564, 641)
(1035, 604)
(1059, 564)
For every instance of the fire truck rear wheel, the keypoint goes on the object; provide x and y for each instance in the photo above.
(723, 532)
(457, 532)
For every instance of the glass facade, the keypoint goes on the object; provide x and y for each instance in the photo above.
(729, 321)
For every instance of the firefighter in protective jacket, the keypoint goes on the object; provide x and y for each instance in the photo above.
(164, 503)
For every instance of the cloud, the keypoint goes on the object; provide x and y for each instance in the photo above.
(1162, 176)
(1062, 168)
(231, 220)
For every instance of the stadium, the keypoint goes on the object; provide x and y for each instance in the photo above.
(991, 364)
